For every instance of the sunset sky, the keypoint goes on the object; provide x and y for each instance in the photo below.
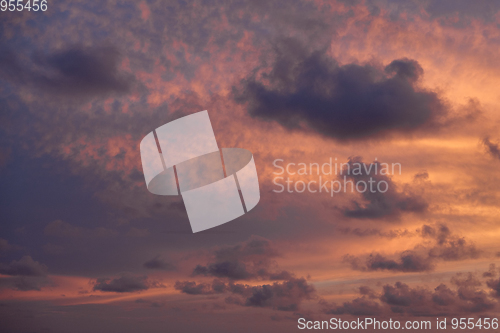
(84, 247)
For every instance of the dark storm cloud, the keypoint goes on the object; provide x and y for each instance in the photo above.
(446, 246)
(123, 284)
(492, 148)
(73, 71)
(389, 204)
(310, 91)
(25, 266)
(159, 264)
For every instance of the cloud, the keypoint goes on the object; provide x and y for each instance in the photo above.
(449, 247)
(465, 280)
(402, 296)
(361, 306)
(309, 91)
(231, 269)
(125, 283)
(367, 291)
(6, 246)
(285, 296)
(492, 272)
(446, 246)
(249, 260)
(25, 274)
(254, 249)
(73, 71)
(375, 232)
(495, 286)
(473, 299)
(25, 266)
(409, 262)
(159, 264)
(193, 288)
(153, 304)
(464, 296)
(459, 13)
(441, 301)
(389, 204)
(492, 148)
(63, 229)
(25, 283)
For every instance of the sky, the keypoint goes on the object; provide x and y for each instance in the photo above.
(84, 247)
